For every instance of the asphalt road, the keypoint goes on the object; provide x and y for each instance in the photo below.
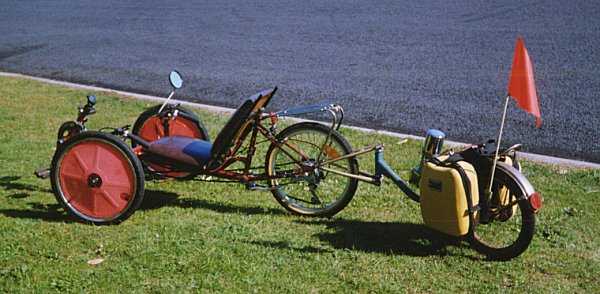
(398, 65)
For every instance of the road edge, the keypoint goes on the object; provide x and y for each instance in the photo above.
(540, 158)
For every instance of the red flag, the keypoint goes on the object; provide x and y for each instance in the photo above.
(521, 85)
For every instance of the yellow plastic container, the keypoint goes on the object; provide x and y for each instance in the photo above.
(443, 198)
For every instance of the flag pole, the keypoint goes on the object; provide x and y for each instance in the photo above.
(498, 146)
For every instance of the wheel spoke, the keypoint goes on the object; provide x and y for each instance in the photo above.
(180, 127)
(80, 161)
(175, 128)
(111, 200)
(159, 129)
(83, 199)
(97, 159)
(315, 197)
(296, 150)
(74, 177)
(297, 199)
(344, 168)
(122, 185)
(114, 168)
(74, 190)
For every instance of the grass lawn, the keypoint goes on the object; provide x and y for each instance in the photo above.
(193, 236)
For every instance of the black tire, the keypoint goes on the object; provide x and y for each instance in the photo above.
(511, 226)
(113, 174)
(310, 137)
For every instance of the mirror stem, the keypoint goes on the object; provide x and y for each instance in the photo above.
(166, 101)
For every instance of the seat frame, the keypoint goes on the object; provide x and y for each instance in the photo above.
(239, 124)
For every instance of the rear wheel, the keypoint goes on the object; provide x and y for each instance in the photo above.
(97, 178)
(307, 186)
(512, 221)
(149, 126)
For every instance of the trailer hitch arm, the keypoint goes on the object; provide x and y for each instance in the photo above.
(383, 169)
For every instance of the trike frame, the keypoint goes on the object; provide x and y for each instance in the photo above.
(256, 125)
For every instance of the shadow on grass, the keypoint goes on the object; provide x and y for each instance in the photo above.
(154, 199)
(288, 246)
(10, 183)
(50, 213)
(388, 238)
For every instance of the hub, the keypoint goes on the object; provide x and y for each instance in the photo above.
(94, 181)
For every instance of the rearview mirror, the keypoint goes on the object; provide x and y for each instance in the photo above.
(175, 79)
(91, 100)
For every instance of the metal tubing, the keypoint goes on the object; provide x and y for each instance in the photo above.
(382, 168)
(349, 175)
(331, 129)
(489, 190)
(304, 109)
(138, 140)
(353, 154)
(166, 101)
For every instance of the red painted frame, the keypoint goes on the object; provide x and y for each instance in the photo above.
(256, 124)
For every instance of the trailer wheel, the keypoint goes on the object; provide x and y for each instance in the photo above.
(512, 224)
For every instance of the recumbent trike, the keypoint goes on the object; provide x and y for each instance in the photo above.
(309, 167)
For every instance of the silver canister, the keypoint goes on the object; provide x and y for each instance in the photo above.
(434, 142)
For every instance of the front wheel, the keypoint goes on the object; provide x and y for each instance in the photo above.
(512, 221)
(305, 179)
(97, 178)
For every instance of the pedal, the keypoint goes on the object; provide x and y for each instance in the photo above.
(42, 173)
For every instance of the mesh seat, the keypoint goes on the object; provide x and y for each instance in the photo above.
(238, 125)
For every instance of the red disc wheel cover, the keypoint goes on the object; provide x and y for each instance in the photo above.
(153, 129)
(93, 159)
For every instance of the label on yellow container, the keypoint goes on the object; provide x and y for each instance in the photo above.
(443, 197)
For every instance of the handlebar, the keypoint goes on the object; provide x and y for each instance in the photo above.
(88, 109)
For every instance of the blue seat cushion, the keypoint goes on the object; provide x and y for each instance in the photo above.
(183, 149)
(199, 150)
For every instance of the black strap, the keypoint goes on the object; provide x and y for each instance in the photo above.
(454, 158)
(467, 185)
